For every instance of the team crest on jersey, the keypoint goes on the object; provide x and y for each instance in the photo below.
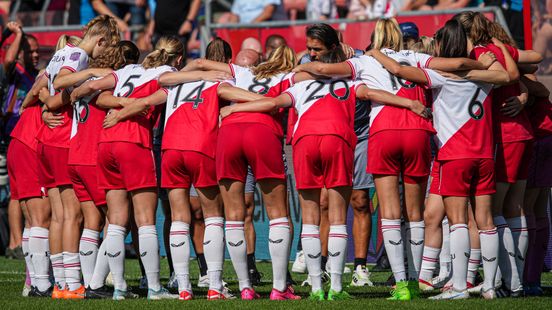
(75, 56)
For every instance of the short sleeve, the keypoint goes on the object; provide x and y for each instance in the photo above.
(513, 52)
(293, 92)
(77, 60)
(237, 70)
(434, 79)
(356, 66)
(422, 60)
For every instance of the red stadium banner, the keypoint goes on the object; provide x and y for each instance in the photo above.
(356, 34)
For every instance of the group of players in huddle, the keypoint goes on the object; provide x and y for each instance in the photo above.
(462, 117)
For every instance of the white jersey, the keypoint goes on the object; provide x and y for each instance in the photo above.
(462, 116)
(245, 79)
(375, 76)
(324, 107)
(70, 57)
(131, 79)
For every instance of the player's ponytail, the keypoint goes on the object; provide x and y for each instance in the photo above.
(219, 50)
(280, 60)
(168, 51)
(64, 39)
(387, 34)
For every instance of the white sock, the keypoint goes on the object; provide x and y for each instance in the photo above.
(101, 269)
(337, 247)
(88, 250)
(40, 249)
(149, 254)
(310, 240)
(445, 261)
(180, 252)
(213, 249)
(57, 268)
(473, 265)
(391, 230)
(414, 248)
(235, 241)
(429, 263)
(507, 254)
(115, 248)
(27, 254)
(489, 254)
(72, 269)
(278, 245)
(459, 250)
(520, 234)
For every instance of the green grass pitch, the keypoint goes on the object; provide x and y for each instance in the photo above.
(12, 277)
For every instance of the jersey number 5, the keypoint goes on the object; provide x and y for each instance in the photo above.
(193, 96)
(128, 84)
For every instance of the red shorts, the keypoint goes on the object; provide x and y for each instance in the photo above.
(255, 144)
(53, 168)
(125, 165)
(434, 185)
(322, 161)
(180, 169)
(85, 184)
(467, 177)
(512, 161)
(23, 166)
(395, 152)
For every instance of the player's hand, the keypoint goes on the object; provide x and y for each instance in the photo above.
(458, 75)
(497, 42)
(43, 94)
(369, 52)
(52, 120)
(111, 119)
(487, 59)
(21, 109)
(225, 111)
(215, 76)
(74, 96)
(348, 50)
(14, 27)
(514, 105)
(419, 108)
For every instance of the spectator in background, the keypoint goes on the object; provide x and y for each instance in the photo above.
(19, 72)
(136, 8)
(173, 18)
(321, 9)
(253, 11)
(371, 9)
(543, 37)
(411, 34)
(273, 42)
(252, 44)
(83, 11)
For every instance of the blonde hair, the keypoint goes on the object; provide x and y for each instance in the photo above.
(167, 50)
(426, 45)
(65, 39)
(104, 26)
(387, 34)
(280, 60)
(497, 31)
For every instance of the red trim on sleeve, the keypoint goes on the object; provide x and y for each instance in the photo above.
(291, 96)
(68, 68)
(428, 61)
(165, 90)
(428, 78)
(353, 74)
(116, 78)
(232, 70)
